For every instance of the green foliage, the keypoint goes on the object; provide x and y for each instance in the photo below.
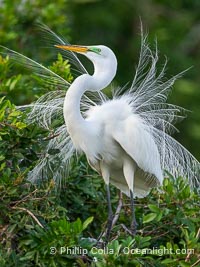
(12, 126)
(62, 68)
(17, 20)
(16, 87)
(8, 83)
(49, 244)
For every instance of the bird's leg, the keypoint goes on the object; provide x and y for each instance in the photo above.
(129, 168)
(133, 219)
(114, 219)
(110, 214)
(106, 176)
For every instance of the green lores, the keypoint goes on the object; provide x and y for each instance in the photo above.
(95, 50)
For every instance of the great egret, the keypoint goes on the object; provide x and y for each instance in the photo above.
(113, 137)
(126, 139)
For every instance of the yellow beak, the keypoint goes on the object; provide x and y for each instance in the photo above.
(73, 48)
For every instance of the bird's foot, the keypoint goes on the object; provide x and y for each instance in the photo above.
(106, 232)
(109, 228)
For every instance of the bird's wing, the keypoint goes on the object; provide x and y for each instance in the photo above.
(139, 144)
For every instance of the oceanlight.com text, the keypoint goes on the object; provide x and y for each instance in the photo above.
(76, 250)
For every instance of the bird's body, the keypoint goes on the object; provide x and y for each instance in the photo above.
(114, 137)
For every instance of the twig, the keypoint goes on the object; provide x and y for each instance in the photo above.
(3, 230)
(126, 229)
(117, 213)
(50, 137)
(195, 264)
(24, 199)
(30, 213)
(7, 124)
(147, 233)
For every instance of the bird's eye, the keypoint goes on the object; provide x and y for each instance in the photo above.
(95, 50)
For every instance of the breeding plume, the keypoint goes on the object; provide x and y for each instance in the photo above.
(126, 139)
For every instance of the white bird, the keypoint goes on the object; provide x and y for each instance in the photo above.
(125, 139)
(113, 137)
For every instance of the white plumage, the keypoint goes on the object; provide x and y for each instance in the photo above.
(123, 139)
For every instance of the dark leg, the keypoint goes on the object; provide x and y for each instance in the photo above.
(110, 214)
(133, 220)
(114, 219)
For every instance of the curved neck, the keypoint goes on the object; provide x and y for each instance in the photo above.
(71, 109)
(73, 96)
(99, 80)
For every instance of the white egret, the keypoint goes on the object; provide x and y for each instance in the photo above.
(125, 139)
(113, 137)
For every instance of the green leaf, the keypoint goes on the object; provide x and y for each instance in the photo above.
(87, 222)
(20, 125)
(154, 208)
(149, 217)
(14, 113)
(184, 264)
(166, 261)
(29, 255)
(2, 114)
(2, 157)
(14, 81)
(2, 166)
(159, 216)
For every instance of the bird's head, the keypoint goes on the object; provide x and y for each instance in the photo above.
(96, 52)
(102, 57)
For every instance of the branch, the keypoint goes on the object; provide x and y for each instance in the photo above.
(30, 213)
